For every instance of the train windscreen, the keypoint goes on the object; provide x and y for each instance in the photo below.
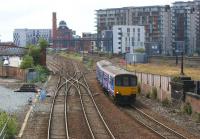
(125, 80)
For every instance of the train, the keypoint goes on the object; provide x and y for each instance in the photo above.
(120, 84)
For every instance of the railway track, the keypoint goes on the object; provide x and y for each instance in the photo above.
(73, 81)
(152, 124)
(99, 128)
(56, 128)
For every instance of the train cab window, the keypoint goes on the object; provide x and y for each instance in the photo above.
(133, 81)
(118, 82)
(125, 81)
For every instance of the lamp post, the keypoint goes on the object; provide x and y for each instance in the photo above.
(176, 52)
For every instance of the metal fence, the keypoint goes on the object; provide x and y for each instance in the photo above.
(3, 131)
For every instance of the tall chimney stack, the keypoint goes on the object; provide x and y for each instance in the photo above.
(54, 27)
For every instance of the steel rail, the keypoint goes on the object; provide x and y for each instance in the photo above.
(99, 113)
(66, 94)
(159, 123)
(84, 112)
(52, 107)
(86, 87)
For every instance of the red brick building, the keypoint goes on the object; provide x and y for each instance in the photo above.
(61, 35)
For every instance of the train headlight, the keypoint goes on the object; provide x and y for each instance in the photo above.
(117, 92)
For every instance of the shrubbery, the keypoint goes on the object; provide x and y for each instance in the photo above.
(43, 73)
(139, 88)
(165, 102)
(27, 62)
(154, 93)
(11, 125)
(187, 108)
(148, 95)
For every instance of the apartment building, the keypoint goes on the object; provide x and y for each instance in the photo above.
(107, 44)
(128, 38)
(24, 37)
(106, 18)
(155, 19)
(184, 27)
(89, 41)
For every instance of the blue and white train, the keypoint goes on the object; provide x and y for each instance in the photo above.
(120, 84)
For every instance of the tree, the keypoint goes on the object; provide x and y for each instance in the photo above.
(43, 43)
(139, 50)
(27, 62)
(34, 51)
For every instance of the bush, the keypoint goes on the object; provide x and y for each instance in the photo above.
(196, 117)
(187, 108)
(139, 88)
(165, 102)
(176, 79)
(11, 126)
(154, 93)
(43, 73)
(148, 95)
(27, 62)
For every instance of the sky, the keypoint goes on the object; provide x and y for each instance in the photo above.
(78, 14)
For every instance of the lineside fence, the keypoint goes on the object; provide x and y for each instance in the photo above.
(160, 82)
(13, 72)
(3, 130)
(149, 81)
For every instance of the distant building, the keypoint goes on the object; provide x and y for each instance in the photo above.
(107, 45)
(24, 37)
(89, 43)
(155, 19)
(61, 36)
(128, 38)
(186, 27)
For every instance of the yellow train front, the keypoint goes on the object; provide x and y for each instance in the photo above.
(119, 83)
(125, 88)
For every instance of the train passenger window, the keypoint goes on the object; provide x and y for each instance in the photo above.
(112, 83)
(125, 81)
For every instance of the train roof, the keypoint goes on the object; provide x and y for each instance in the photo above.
(112, 70)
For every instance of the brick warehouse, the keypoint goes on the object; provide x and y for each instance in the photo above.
(61, 35)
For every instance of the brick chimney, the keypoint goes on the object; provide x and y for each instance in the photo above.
(54, 27)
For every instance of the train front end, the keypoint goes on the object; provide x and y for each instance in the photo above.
(125, 89)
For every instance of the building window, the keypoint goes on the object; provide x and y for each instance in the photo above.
(133, 31)
(133, 41)
(138, 36)
(127, 49)
(138, 30)
(120, 33)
